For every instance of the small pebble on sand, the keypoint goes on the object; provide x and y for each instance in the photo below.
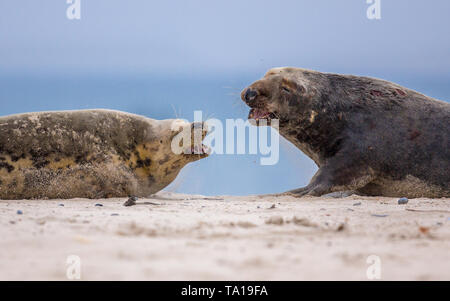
(403, 201)
(99, 205)
(131, 201)
(115, 214)
(61, 205)
(19, 212)
(341, 227)
(357, 204)
(380, 215)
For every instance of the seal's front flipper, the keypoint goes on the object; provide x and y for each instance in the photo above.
(339, 194)
(298, 192)
(318, 186)
(313, 189)
(322, 190)
(336, 181)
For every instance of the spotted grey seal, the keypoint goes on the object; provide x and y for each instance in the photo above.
(90, 154)
(366, 135)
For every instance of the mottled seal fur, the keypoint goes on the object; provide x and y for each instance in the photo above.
(88, 154)
(366, 135)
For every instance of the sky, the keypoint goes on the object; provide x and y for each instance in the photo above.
(156, 58)
(202, 36)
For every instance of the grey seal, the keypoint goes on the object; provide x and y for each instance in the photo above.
(89, 154)
(366, 135)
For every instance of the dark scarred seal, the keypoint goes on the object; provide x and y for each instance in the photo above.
(90, 154)
(366, 135)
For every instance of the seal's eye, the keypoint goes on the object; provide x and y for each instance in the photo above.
(285, 89)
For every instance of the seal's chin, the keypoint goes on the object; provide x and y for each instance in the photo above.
(256, 115)
(197, 152)
(202, 150)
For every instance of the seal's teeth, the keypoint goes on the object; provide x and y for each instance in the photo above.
(197, 150)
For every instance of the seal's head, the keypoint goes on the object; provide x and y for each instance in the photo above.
(186, 139)
(171, 144)
(182, 141)
(283, 93)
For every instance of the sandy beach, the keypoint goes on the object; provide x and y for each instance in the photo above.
(187, 237)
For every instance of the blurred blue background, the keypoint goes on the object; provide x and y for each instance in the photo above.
(168, 58)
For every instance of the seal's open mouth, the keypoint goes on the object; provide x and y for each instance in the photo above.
(197, 146)
(258, 114)
(200, 150)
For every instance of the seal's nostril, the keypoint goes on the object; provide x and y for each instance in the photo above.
(250, 94)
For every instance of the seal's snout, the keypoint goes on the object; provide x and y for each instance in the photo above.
(199, 130)
(249, 94)
(200, 127)
(197, 126)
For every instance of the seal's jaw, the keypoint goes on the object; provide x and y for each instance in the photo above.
(261, 111)
(260, 116)
(257, 113)
(259, 97)
(197, 150)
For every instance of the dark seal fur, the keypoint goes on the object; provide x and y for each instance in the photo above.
(366, 135)
(88, 154)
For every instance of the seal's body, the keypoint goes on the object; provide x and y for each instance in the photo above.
(88, 153)
(366, 135)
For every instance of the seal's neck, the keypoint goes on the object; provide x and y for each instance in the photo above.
(318, 136)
